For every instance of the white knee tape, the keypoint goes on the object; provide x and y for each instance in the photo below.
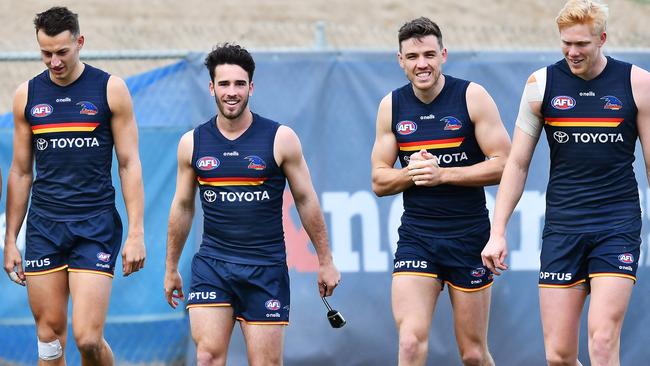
(49, 350)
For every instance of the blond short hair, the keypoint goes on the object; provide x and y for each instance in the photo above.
(589, 12)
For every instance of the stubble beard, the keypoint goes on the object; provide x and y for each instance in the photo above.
(228, 115)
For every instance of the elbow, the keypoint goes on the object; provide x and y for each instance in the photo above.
(378, 189)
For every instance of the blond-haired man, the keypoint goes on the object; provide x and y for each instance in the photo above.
(593, 108)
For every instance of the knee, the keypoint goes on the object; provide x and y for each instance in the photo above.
(603, 345)
(474, 357)
(49, 330)
(89, 344)
(209, 357)
(412, 345)
(561, 358)
(266, 360)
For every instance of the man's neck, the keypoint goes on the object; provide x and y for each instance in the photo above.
(233, 128)
(428, 95)
(77, 70)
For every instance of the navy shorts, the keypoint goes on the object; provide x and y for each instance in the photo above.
(257, 294)
(90, 245)
(455, 261)
(571, 259)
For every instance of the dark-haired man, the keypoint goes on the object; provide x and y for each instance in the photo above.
(240, 162)
(67, 120)
(450, 141)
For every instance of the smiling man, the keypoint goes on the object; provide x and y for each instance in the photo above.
(450, 141)
(593, 108)
(67, 120)
(240, 162)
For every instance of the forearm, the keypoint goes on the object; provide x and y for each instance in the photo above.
(483, 174)
(180, 223)
(388, 181)
(314, 224)
(133, 193)
(18, 187)
(509, 193)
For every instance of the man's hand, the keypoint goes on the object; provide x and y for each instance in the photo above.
(423, 169)
(328, 278)
(494, 254)
(173, 288)
(14, 263)
(133, 254)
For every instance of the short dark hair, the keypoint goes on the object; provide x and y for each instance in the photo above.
(229, 53)
(419, 28)
(56, 20)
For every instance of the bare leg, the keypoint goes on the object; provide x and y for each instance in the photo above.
(211, 331)
(264, 344)
(91, 293)
(561, 309)
(609, 299)
(48, 299)
(414, 299)
(471, 319)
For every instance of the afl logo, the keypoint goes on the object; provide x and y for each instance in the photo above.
(406, 127)
(561, 137)
(273, 304)
(478, 272)
(41, 110)
(209, 195)
(41, 144)
(626, 258)
(563, 102)
(104, 257)
(207, 163)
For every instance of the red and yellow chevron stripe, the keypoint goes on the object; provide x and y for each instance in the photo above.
(65, 127)
(584, 122)
(231, 181)
(431, 144)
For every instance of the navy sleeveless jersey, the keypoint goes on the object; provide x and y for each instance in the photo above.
(591, 131)
(241, 189)
(72, 145)
(442, 127)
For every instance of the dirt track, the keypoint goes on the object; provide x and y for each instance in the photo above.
(261, 24)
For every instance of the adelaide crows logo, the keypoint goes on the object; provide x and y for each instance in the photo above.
(452, 123)
(612, 103)
(256, 162)
(88, 108)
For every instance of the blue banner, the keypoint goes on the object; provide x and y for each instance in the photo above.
(330, 100)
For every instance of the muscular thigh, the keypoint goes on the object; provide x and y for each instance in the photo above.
(211, 327)
(561, 308)
(414, 299)
(263, 341)
(471, 314)
(90, 294)
(48, 299)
